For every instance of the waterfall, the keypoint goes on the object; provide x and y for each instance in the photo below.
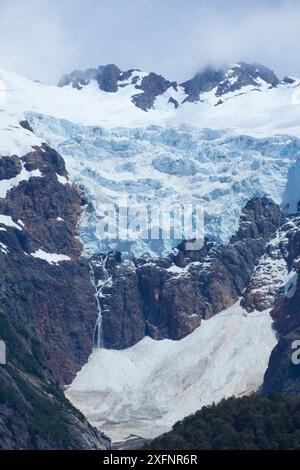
(98, 331)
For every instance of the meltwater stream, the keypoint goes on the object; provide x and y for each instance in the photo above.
(98, 331)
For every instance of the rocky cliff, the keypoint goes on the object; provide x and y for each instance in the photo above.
(283, 374)
(47, 305)
(167, 298)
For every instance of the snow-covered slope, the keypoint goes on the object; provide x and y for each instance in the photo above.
(260, 110)
(144, 390)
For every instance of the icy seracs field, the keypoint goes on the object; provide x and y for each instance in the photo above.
(161, 165)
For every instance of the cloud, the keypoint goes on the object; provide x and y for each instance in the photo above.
(44, 39)
(266, 33)
(33, 39)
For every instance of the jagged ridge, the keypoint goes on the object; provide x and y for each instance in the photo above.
(225, 80)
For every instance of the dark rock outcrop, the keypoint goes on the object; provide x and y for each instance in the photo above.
(152, 85)
(168, 298)
(109, 78)
(228, 80)
(25, 124)
(282, 374)
(225, 80)
(203, 81)
(258, 220)
(48, 208)
(288, 80)
(259, 71)
(47, 307)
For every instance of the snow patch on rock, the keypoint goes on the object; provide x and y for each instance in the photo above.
(51, 258)
(291, 284)
(8, 222)
(3, 248)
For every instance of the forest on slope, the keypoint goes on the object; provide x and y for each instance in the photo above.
(250, 423)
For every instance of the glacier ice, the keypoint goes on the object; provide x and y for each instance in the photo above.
(291, 198)
(168, 165)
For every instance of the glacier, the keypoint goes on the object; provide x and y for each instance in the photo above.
(216, 169)
(164, 156)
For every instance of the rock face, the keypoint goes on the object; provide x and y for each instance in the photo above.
(10, 167)
(283, 375)
(106, 76)
(203, 81)
(275, 285)
(48, 206)
(152, 85)
(110, 78)
(47, 305)
(167, 298)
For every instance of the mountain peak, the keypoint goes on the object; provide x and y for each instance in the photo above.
(228, 79)
(107, 77)
(257, 70)
(110, 78)
(212, 84)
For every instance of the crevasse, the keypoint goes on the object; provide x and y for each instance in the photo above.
(168, 165)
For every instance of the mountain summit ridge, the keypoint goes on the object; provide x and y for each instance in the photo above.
(111, 78)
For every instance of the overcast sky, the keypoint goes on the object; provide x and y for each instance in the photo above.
(45, 38)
